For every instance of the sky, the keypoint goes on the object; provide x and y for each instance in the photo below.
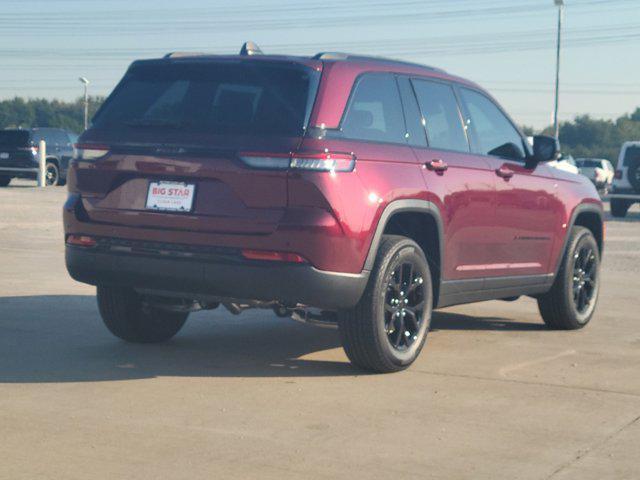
(507, 46)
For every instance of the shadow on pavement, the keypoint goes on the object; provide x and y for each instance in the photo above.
(60, 338)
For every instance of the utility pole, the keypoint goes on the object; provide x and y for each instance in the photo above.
(85, 82)
(556, 125)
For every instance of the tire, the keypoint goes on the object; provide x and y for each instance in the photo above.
(369, 330)
(5, 181)
(52, 175)
(572, 300)
(125, 315)
(619, 207)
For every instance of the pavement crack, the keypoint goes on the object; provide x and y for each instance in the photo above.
(582, 453)
(525, 382)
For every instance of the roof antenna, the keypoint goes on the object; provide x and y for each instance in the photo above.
(250, 48)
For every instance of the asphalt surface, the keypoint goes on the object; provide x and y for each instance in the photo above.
(494, 395)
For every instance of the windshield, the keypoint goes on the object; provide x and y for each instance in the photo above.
(220, 98)
(14, 138)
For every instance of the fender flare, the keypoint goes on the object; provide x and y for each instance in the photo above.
(409, 205)
(580, 208)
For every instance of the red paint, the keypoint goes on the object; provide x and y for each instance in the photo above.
(513, 224)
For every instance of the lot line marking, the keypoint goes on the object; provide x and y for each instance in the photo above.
(504, 371)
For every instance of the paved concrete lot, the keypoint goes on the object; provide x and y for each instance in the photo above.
(495, 395)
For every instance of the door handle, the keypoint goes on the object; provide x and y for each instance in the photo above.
(436, 165)
(504, 172)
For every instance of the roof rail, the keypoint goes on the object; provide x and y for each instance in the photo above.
(370, 58)
(183, 54)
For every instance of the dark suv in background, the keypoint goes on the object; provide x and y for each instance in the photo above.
(337, 188)
(19, 154)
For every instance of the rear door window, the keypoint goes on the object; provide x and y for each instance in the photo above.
(237, 98)
(374, 112)
(492, 132)
(441, 115)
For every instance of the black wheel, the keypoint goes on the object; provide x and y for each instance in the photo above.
(5, 181)
(129, 318)
(570, 303)
(51, 174)
(619, 207)
(386, 330)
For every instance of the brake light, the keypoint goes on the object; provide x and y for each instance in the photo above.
(272, 256)
(322, 161)
(81, 241)
(618, 174)
(89, 151)
(266, 161)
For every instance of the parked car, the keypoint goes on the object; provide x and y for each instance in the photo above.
(19, 154)
(625, 190)
(566, 163)
(336, 188)
(598, 170)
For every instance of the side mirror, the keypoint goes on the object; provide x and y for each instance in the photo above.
(545, 149)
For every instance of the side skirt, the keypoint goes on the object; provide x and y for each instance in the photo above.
(456, 292)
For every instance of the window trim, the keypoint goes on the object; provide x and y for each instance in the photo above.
(473, 141)
(452, 85)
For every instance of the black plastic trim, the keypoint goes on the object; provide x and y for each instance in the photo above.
(456, 292)
(421, 206)
(288, 283)
(582, 208)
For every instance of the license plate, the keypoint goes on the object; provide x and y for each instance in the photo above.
(170, 196)
(4, 156)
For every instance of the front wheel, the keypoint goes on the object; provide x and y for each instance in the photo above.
(570, 303)
(386, 330)
(51, 174)
(129, 318)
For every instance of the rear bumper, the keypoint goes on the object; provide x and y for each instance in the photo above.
(223, 278)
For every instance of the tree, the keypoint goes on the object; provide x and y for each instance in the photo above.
(39, 112)
(596, 138)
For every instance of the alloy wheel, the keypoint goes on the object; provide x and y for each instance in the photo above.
(585, 271)
(404, 306)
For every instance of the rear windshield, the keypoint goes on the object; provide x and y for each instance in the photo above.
(14, 138)
(243, 98)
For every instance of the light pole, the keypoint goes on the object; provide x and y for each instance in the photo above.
(85, 82)
(556, 125)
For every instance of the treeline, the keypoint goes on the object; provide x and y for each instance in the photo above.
(40, 112)
(582, 137)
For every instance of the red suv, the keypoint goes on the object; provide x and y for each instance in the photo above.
(337, 188)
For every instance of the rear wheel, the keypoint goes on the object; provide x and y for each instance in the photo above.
(570, 303)
(129, 318)
(5, 181)
(386, 330)
(619, 207)
(51, 174)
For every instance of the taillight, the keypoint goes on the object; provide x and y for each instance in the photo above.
(324, 162)
(321, 162)
(618, 174)
(267, 161)
(272, 256)
(89, 151)
(81, 241)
